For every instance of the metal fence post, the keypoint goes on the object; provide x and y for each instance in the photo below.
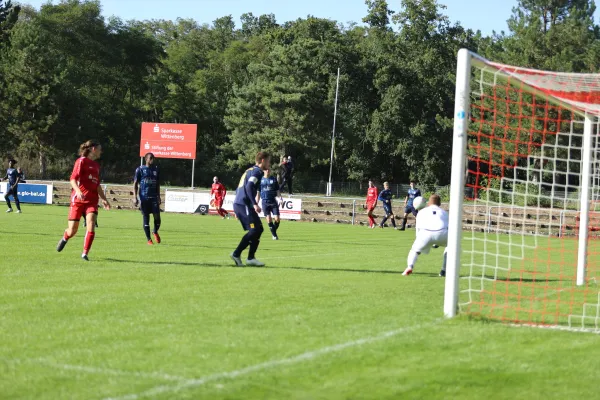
(353, 210)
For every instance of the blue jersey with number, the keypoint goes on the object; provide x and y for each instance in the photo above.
(147, 178)
(268, 189)
(12, 176)
(245, 194)
(412, 194)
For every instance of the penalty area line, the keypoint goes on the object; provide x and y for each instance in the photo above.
(307, 356)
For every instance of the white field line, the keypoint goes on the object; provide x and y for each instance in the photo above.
(552, 293)
(557, 328)
(307, 356)
(97, 370)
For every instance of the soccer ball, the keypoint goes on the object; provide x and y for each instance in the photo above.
(418, 203)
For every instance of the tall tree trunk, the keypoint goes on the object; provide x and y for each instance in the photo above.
(43, 164)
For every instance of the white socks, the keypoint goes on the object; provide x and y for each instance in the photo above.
(412, 258)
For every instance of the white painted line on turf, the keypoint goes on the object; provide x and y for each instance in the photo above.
(99, 371)
(546, 295)
(307, 356)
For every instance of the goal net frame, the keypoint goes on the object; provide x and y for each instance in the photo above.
(587, 112)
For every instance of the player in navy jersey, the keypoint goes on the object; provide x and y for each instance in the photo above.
(413, 192)
(386, 199)
(13, 185)
(246, 209)
(146, 189)
(269, 190)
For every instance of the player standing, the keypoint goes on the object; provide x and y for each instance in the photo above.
(370, 203)
(408, 203)
(386, 199)
(13, 186)
(85, 181)
(218, 193)
(269, 190)
(432, 229)
(246, 209)
(146, 189)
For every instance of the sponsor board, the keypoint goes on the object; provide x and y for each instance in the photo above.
(169, 140)
(190, 202)
(31, 192)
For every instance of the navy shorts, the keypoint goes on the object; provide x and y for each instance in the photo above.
(149, 206)
(410, 209)
(247, 216)
(387, 209)
(270, 209)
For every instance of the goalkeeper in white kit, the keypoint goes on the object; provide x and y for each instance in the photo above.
(432, 229)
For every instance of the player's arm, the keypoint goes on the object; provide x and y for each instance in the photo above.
(75, 179)
(105, 202)
(136, 186)
(158, 186)
(251, 189)
(405, 200)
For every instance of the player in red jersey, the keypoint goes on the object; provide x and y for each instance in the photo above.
(370, 203)
(217, 194)
(85, 181)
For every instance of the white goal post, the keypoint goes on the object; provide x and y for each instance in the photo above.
(524, 143)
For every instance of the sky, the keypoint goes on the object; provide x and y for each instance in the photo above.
(484, 15)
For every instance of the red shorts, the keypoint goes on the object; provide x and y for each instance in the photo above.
(218, 202)
(370, 207)
(77, 210)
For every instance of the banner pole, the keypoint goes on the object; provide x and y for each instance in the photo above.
(141, 161)
(193, 168)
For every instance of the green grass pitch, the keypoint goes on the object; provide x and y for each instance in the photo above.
(330, 317)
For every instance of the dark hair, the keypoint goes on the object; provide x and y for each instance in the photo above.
(435, 199)
(86, 148)
(12, 160)
(148, 154)
(262, 155)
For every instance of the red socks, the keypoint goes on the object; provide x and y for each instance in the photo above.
(89, 239)
(66, 237)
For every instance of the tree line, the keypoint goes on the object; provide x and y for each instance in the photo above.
(68, 74)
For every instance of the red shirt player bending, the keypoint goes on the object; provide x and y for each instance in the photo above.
(370, 203)
(217, 194)
(85, 181)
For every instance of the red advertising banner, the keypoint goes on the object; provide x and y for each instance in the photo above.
(169, 140)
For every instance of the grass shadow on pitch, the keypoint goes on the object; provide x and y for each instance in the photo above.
(181, 263)
(363, 271)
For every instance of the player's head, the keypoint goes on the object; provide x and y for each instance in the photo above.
(289, 158)
(215, 179)
(263, 160)
(12, 163)
(91, 149)
(19, 170)
(386, 185)
(149, 157)
(371, 184)
(435, 200)
(412, 183)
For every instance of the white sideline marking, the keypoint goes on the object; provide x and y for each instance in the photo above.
(545, 296)
(99, 371)
(307, 356)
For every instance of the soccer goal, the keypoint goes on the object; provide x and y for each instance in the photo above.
(524, 240)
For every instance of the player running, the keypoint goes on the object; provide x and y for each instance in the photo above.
(269, 190)
(217, 194)
(432, 229)
(371, 203)
(408, 203)
(146, 189)
(246, 209)
(14, 178)
(85, 181)
(386, 199)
